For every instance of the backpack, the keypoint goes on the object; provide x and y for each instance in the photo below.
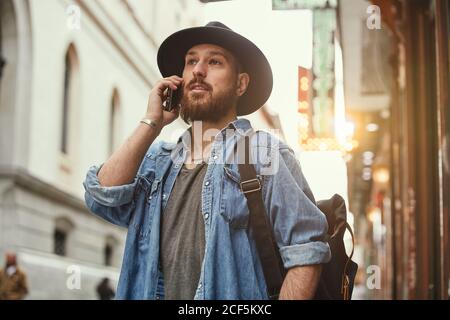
(337, 276)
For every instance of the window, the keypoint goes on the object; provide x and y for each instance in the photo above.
(2, 59)
(69, 98)
(61, 235)
(115, 122)
(109, 250)
(60, 240)
(108, 255)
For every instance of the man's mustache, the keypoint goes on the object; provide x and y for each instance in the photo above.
(194, 82)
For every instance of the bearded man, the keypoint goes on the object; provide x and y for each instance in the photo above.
(183, 203)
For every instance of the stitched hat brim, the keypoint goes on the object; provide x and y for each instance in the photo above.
(171, 56)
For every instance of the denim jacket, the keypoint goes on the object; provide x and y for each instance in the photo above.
(231, 268)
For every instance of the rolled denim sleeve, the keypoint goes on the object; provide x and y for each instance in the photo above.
(113, 204)
(108, 196)
(299, 226)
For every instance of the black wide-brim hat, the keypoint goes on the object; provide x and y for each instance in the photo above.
(171, 60)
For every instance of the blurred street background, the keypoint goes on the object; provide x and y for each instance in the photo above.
(361, 93)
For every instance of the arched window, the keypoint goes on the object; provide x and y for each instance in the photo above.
(109, 250)
(61, 234)
(2, 58)
(69, 98)
(15, 81)
(115, 122)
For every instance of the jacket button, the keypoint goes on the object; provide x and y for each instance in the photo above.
(206, 216)
(207, 183)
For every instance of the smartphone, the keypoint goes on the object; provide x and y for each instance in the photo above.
(172, 100)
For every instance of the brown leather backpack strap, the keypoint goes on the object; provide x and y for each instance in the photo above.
(268, 251)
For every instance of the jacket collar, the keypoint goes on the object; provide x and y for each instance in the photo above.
(241, 126)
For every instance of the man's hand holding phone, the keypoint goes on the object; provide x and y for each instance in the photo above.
(121, 168)
(158, 95)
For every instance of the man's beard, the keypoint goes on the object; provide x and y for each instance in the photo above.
(206, 107)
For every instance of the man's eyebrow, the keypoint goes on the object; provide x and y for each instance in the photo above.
(211, 53)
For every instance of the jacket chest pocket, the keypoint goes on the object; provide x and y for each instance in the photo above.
(234, 207)
(146, 196)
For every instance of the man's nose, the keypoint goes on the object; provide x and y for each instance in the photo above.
(199, 70)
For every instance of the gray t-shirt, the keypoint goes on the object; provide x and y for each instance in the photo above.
(182, 243)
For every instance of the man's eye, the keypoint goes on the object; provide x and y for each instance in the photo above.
(215, 62)
(191, 61)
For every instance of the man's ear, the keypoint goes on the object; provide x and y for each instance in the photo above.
(242, 83)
